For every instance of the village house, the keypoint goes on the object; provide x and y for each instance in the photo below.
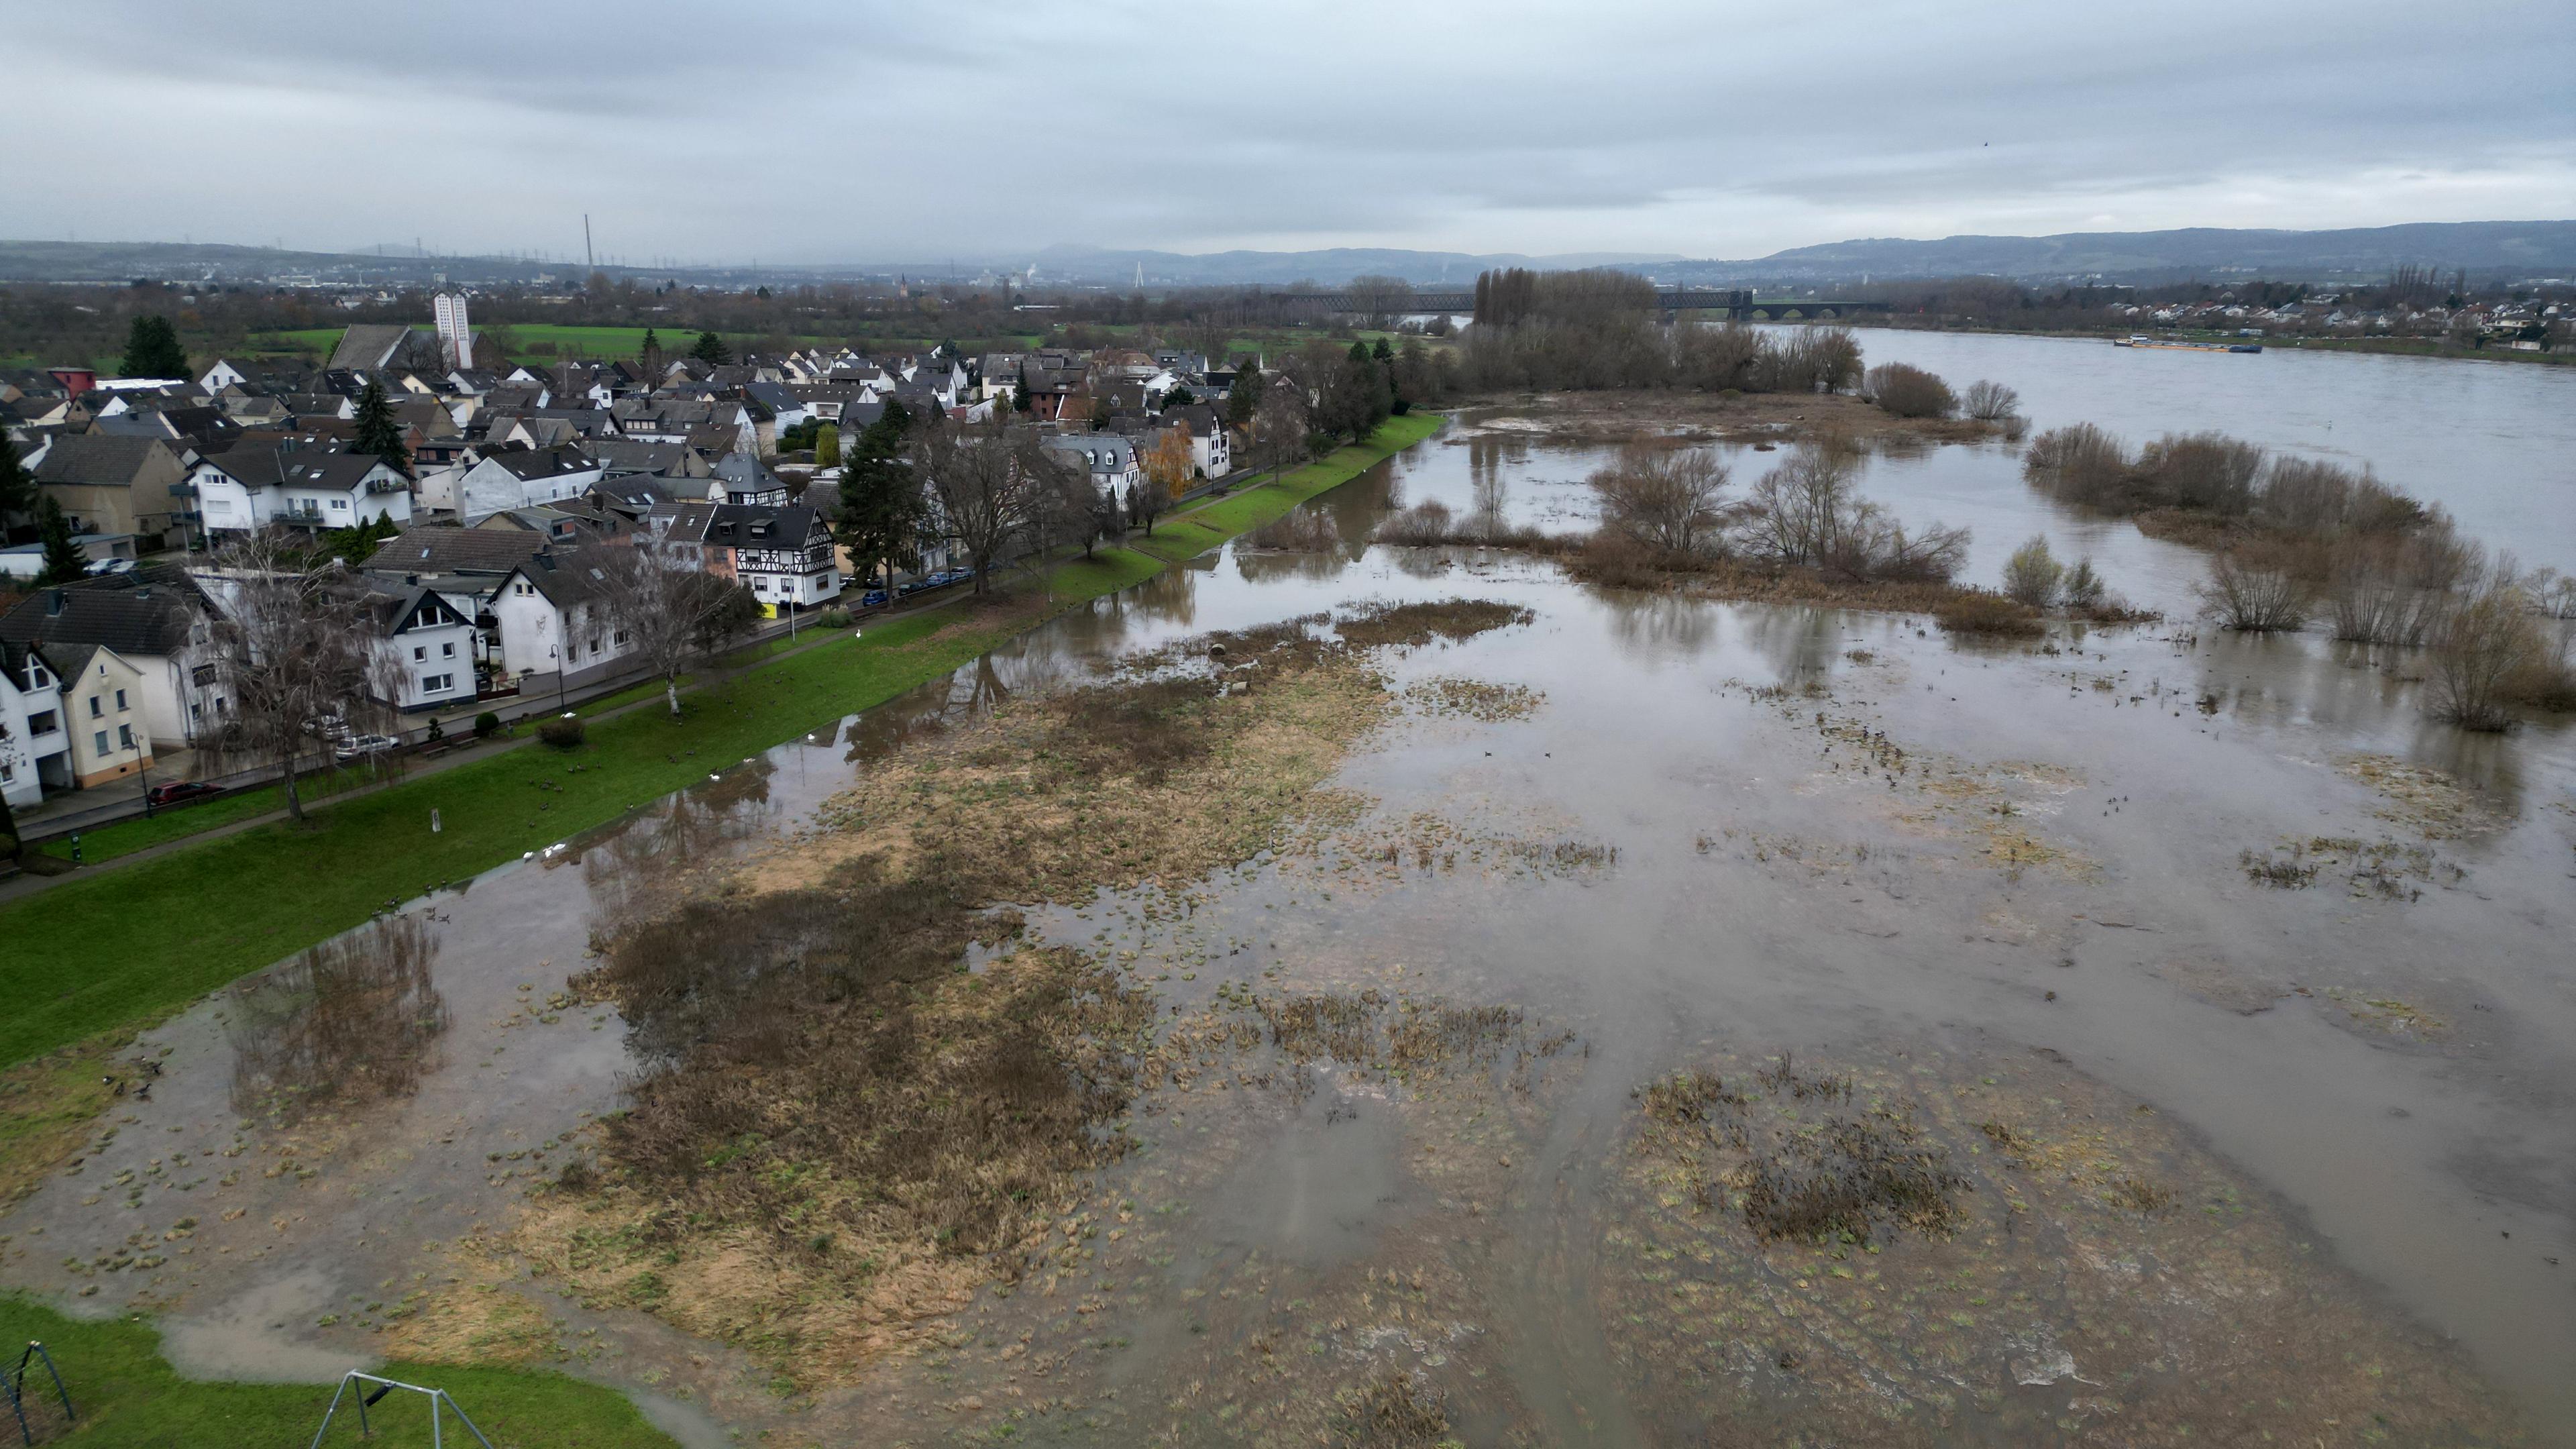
(155, 622)
(102, 704)
(518, 478)
(428, 644)
(250, 488)
(554, 621)
(113, 485)
(35, 748)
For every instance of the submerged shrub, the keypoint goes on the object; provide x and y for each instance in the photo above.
(2032, 576)
(1908, 391)
(2084, 588)
(1990, 401)
(1974, 611)
(2257, 588)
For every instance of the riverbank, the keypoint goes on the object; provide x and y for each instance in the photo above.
(111, 953)
(1682, 415)
(2367, 346)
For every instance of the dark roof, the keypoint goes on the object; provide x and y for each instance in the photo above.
(133, 614)
(339, 472)
(429, 548)
(527, 463)
(97, 458)
(731, 525)
(567, 576)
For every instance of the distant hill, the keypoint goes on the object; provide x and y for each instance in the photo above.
(2490, 250)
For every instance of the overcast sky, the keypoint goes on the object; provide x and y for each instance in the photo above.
(794, 131)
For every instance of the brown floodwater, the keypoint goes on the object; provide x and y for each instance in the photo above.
(1720, 833)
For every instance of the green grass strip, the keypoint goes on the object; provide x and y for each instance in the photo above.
(128, 946)
(127, 1396)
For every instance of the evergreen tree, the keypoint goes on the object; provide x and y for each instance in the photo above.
(17, 487)
(64, 560)
(882, 503)
(1382, 353)
(378, 434)
(152, 349)
(1243, 400)
(1020, 399)
(711, 349)
(649, 357)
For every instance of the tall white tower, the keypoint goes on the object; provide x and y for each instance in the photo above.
(455, 339)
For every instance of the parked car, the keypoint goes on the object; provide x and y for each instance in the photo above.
(873, 598)
(179, 792)
(107, 566)
(359, 746)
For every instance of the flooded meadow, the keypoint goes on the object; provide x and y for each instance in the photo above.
(1338, 993)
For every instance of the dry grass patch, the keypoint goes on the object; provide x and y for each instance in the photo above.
(843, 1129)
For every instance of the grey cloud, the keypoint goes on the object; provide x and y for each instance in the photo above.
(812, 131)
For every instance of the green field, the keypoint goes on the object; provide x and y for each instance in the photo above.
(115, 950)
(125, 1395)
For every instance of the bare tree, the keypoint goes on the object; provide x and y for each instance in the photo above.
(988, 481)
(1908, 391)
(299, 644)
(671, 613)
(1666, 498)
(1280, 424)
(1808, 512)
(1379, 300)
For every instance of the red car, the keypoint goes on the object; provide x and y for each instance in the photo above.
(178, 792)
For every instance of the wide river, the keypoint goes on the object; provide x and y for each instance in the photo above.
(2385, 1073)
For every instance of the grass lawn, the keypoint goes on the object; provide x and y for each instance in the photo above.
(128, 836)
(126, 1394)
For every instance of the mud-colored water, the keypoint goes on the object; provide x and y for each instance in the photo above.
(1997, 885)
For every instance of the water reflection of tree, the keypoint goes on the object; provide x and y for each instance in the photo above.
(1659, 621)
(1801, 644)
(349, 1022)
(630, 868)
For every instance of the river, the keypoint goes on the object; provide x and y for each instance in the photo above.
(2367, 1086)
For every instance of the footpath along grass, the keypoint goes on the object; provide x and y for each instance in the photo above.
(128, 1397)
(118, 949)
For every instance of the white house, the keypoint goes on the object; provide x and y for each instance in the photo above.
(428, 644)
(35, 749)
(553, 615)
(785, 555)
(157, 627)
(1107, 457)
(247, 489)
(523, 478)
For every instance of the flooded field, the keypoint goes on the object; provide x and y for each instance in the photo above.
(1588, 1018)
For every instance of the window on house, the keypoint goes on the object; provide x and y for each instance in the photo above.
(437, 683)
(8, 772)
(120, 699)
(97, 707)
(447, 650)
(100, 741)
(125, 737)
(419, 652)
(43, 724)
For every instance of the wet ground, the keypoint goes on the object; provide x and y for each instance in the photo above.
(2242, 1152)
